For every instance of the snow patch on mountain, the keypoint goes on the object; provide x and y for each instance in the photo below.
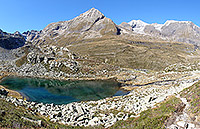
(138, 26)
(157, 26)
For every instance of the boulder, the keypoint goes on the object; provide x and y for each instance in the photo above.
(94, 121)
(81, 118)
(120, 116)
(59, 114)
(181, 123)
(3, 92)
(191, 126)
(2, 113)
(79, 110)
(43, 108)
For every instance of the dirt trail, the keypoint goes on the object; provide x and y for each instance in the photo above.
(183, 121)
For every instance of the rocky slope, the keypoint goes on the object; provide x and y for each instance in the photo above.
(95, 37)
(11, 46)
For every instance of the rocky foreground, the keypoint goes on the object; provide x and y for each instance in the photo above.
(110, 110)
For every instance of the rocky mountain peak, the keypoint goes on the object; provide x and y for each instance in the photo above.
(90, 24)
(85, 21)
(93, 13)
(31, 35)
(137, 23)
(17, 33)
(80, 23)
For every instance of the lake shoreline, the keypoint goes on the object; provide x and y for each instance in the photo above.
(32, 90)
(12, 93)
(114, 78)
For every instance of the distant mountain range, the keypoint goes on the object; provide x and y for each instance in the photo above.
(93, 24)
(181, 31)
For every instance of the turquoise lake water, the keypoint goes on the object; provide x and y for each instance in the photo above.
(62, 92)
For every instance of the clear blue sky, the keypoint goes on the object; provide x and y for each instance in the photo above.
(23, 15)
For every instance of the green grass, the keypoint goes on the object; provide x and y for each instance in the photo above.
(152, 118)
(13, 118)
(192, 94)
(21, 61)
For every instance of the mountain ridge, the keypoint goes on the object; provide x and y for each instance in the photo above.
(93, 24)
(90, 24)
(179, 31)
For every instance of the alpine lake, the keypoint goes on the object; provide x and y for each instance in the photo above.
(62, 91)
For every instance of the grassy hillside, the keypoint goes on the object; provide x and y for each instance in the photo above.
(193, 96)
(12, 117)
(16, 117)
(135, 54)
(152, 118)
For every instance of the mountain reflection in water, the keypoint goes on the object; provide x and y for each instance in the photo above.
(62, 91)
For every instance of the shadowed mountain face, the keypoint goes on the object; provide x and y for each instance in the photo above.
(11, 41)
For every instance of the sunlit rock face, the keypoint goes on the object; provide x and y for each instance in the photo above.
(91, 24)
